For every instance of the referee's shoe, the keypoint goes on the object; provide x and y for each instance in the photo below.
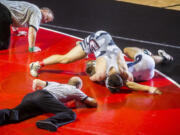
(48, 125)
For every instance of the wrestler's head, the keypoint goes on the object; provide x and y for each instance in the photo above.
(76, 81)
(114, 82)
(90, 67)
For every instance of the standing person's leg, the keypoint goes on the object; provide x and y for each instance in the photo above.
(5, 22)
(75, 54)
(49, 104)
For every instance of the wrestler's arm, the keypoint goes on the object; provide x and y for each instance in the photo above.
(123, 69)
(140, 87)
(38, 84)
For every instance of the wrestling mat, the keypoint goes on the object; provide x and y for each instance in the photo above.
(125, 113)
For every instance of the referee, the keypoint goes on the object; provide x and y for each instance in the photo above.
(49, 99)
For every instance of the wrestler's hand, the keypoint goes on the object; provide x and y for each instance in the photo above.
(126, 75)
(130, 76)
(154, 90)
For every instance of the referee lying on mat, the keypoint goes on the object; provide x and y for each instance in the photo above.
(49, 99)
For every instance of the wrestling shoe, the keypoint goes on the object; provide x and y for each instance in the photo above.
(34, 68)
(48, 125)
(167, 57)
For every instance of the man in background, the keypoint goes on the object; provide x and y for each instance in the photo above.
(22, 14)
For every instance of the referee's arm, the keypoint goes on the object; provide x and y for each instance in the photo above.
(38, 84)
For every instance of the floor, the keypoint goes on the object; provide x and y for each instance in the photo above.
(125, 113)
(167, 4)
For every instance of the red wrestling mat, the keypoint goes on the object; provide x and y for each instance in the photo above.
(125, 113)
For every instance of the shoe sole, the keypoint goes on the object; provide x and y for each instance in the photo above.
(46, 125)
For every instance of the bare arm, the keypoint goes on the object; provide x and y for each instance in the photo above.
(140, 87)
(123, 69)
(32, 36)
(91, 102)
(38, 84)
(100, 70)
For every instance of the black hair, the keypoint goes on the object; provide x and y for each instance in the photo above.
(114, 82)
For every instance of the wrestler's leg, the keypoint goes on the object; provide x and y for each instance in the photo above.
(74, 54)
(162, 56)
(132, 51)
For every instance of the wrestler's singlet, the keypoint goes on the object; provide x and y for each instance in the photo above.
(102, 44)
(142, 68)
(99, 43)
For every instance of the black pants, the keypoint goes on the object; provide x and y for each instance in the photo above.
(37, 103)
(5, 23)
